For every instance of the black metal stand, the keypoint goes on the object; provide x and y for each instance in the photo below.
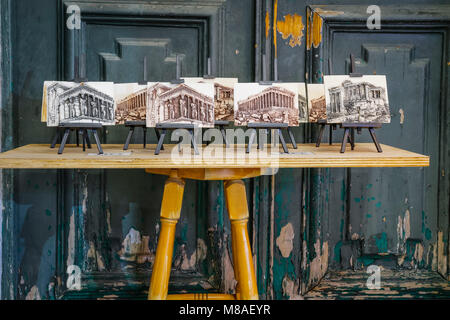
(349, 134)
(164, 127)
(255, 127)
(221, 125)
(323, 124)
(84, 128)
(133, 125)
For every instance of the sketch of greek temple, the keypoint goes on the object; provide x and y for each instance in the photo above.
(81, 103)
(357, 102)
(273, 105)
(224, 102)
(180, 104)
(132, 108)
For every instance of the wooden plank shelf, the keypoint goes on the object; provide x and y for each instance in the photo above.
(40, 156)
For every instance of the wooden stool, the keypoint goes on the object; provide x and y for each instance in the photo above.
(236, 200)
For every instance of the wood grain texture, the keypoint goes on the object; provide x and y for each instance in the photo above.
(40, 156)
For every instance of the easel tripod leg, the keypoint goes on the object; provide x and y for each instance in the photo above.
(319, 139)
(242, 255)
(374, 138)
(345, 139)
(292, 138)
(63, 141)
(283, 143)
(97, 141)
(128, 140)
(250, 140)
(55, 139)
(170, 214)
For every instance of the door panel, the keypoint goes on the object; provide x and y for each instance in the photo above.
(387, 216)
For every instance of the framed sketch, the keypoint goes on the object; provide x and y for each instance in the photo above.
(131, 102)
(223, 96)
(316, 102)
(357, 99)
(277, 103)
(180, 103)
(70, 102)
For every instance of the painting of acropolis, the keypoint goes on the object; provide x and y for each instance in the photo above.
(256, 103)
(70, 102)
(316, 102)
(131, 99)
(357, 99)
(183, 103)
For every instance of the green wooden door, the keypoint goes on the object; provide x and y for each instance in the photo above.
(303, 222)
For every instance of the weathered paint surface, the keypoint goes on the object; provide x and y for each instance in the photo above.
(395, 284)
(291, 27)
(285, 240)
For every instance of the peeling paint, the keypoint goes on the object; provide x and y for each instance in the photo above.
(292, 27)
(183, 262)
(291, 288)
(402, 115)
(267, 24)
(314, 36)
(319, 264)
(93, 254)
(135, 248)
(442, 257)
(33, 294)
(285, 241)
(71, 240)
(229, 282)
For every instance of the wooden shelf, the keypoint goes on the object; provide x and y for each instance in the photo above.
(40, 156)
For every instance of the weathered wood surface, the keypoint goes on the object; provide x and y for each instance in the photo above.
(40, 156)
(394, 284)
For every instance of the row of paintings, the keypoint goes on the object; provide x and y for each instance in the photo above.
(203, 101)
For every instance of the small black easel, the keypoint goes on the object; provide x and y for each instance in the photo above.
(164, 127)
(78, 127)
(349, 128)
(256, 126)
(221, 124)
(84, 128)
(323, 123)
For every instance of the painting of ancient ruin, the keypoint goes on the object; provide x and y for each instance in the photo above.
(131, 100)
(357, 99)
(302, 103)
(69, 102)
(180, 103)
(316, 102)
(223, 96)
(277, 103)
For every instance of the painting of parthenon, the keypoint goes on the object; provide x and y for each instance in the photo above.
(183, 103)
(223, 96)
(316, 102)
(277, 103)
(68, 102)
(131, 101)
(357, 99)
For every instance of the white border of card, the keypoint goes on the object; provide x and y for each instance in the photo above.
(70, 102)
(357, 99)
(276, 103)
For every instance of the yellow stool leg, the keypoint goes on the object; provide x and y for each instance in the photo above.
(242, 254)
(170, 213)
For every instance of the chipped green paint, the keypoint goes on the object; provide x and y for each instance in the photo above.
(371, 199)
(378, 204)
(48, 213)
(337, 252)
(428, 234)
(357, 200)
(368, 215)
(369, 186)
(381, 242)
